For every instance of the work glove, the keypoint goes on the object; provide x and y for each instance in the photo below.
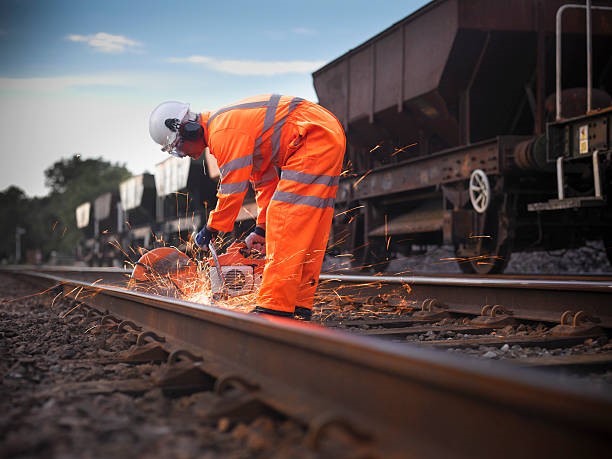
(205, 236)
(257, 240)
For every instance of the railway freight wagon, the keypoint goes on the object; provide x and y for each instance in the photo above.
(480, 124)
(138, 205)
(245, 221)
(185, 195)
(85, 223)
(100, 223)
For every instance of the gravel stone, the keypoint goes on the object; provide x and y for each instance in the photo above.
(55, 402)
(589, 259)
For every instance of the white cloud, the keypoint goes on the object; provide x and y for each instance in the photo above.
(54, 84)
(248, 67)
(106, 42)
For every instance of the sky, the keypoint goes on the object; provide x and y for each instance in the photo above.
(82, 76)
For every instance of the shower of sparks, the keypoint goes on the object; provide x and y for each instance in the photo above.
(65, 314)
(379, 145)
(77, 288)
(60, 294)
(330, 301)
(399, 150)
(25, 297)
(195, 285)
(349, 210)
(387, 238)
(347, 172)
(480, 259)
(115, 243)
(361, 178)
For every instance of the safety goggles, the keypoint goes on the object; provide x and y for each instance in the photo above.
(173, 145)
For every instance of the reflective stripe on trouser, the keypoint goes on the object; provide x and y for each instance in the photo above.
(299, 217)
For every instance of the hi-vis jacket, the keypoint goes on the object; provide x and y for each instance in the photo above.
(251, 140)
(255, 140)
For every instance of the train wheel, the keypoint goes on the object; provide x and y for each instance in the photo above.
(488, 259)
(488, 249)
(368, 254)
(372, 256)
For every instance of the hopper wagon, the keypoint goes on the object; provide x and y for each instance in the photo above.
(483, 125)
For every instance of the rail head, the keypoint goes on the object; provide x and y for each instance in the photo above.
(388, 389)
(478, 281)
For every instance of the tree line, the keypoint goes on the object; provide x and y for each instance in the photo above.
(39, 229)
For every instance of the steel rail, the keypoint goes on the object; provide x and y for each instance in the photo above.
(485, 281)
(107, 275)
(409, 401)
(526, 297)
(601, 282)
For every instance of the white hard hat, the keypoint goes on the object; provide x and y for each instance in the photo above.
(164, 122)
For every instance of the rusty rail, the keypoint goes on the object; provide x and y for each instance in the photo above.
(527, 297)
(401, 401)
(107, 275)
(540, 298)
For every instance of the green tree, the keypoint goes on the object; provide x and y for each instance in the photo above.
(50, 222)
(84, 178)
(72, 182)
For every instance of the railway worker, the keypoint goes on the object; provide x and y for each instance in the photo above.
(291, 152)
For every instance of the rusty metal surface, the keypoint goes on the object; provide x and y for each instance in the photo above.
(452, 72)
(565, 136)
(113, 276)
(411, 402)
(527, 297)
(444, 167)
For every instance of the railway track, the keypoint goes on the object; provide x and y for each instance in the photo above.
(552, 322)
(392, 398)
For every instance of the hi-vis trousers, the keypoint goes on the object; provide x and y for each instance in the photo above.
(300, 213)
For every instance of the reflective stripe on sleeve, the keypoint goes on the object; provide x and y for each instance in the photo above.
(312, 201)
(309, 179)
(235, 164)
(233, 188)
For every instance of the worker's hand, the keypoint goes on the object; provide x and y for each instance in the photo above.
(205, 236)
(257, 240)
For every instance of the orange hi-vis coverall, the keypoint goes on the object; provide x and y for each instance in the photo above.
(255, 139)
